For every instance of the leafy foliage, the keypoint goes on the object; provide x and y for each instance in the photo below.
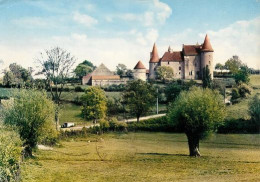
(233, 65)
(242, 75)
(164, 73)
(174, 89)
(139, 97)
(10, 154)
(206, 79)
(94, 103)
(83, 69)
(32, 114)
(254, 111)
(197, 112)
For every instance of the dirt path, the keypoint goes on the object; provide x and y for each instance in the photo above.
(126, 120)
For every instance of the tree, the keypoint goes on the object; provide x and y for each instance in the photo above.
(121, 70)
(197, 112)
(55, 65)
(164, 73)
(233, 64)
(94, 103)
(21, 75)
(140, 97)
(83, 69)
(8, 79)
(219, 66)
(206, 79)
(254, 111)
(242, 75)
(32, 115)
(173, 89)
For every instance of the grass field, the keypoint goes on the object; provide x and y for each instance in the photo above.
(147, 157)
(240, 110)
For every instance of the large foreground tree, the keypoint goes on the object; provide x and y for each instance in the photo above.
(32, 115)
(139, 97)
(197, 113)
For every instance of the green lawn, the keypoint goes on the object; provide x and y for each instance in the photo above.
(240, 110)
(147, 157)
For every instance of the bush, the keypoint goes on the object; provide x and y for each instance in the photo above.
(10, 154)
(79, 89)
(114, 125)
(160, 124)
(254, 111)
(244, 90)
(238, 126)
(235, 95)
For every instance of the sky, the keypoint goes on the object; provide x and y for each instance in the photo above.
(123, 31)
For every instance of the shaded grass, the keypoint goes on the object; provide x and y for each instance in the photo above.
(147, 157)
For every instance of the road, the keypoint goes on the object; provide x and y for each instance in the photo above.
(126, 120)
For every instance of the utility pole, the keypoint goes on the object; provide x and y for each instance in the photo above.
(157, 102)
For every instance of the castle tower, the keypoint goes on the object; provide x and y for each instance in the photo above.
(139, 71)
(154, 61)
(207, 56)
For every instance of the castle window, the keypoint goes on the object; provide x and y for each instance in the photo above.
(179, 68)
(154, 69)
(168, 62)
(195, 64)
(179, 73)
(209, 62)
(191, 73)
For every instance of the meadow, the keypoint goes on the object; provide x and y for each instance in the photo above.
(146, 157)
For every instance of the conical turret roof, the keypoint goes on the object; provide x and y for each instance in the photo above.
(154, 55)
(206, 45)
(139, 65)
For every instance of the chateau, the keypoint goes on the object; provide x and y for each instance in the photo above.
(186, 64)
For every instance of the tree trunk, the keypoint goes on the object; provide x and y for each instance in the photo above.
(57, 118)
(193, 142)
(138, 119)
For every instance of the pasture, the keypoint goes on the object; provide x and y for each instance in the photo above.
(147, 157)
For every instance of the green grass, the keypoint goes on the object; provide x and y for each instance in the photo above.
(147, 157)
(71, 113)
(240, 110)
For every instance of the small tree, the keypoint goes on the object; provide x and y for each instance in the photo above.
(206, 79)
(8, 79)
(140, 97)
(121, 69)
(233, 65)
(164, 73)
(196, 112)
(32, 114)
(254, 111)
(242, 75)
(83, 69)
(94, 103)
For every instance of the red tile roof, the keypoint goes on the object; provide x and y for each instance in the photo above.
(139, 65)
(172, 56)
(154, 55)
(191, 50)
(105, 77)
(206, 45)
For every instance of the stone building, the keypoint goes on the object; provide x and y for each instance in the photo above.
(102, 76)
(186, 64)
(139, 71)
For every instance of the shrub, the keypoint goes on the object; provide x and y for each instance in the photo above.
(237, 126)
(114, 125)
(235, 95)
(244, 90)
(10, 154)
(79, 89)
(254, 111)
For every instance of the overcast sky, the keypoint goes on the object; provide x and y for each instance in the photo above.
(123, 31)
